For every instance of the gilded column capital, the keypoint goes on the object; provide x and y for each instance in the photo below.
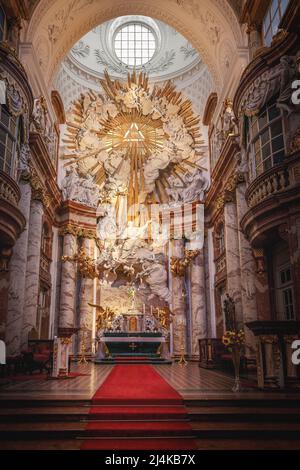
(86, 266)
(178, 265)
(69, 229)
(91, 234)
(80, 232)
(229, 192)
(39, 192)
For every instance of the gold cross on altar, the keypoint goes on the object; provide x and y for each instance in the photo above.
(132, 346)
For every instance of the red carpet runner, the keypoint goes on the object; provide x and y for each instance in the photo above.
(135, 408)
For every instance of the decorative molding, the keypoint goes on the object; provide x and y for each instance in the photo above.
(81, 49)
(9, 190)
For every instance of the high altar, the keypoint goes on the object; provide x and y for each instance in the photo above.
(142, 147)
(133, 335)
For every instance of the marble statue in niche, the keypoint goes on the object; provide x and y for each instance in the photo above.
(228, 119)
(229, 313)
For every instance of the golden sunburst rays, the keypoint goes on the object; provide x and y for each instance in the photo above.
(127, 124)
(125, 130)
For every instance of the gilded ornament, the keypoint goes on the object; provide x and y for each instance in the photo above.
(132, 135)
(86, 265)
(179, 265)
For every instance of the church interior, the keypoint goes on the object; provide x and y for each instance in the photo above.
(149, 225)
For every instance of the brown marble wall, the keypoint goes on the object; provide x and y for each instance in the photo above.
(18, 265)
(86, 297)
(178, 302)
(198, 302)
(233, 270)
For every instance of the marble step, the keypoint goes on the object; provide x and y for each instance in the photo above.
(202, 444)
(251, 414)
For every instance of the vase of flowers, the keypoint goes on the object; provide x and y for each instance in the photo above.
(234, 341)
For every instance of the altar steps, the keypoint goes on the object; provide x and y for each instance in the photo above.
(216, 423)
(125, 358)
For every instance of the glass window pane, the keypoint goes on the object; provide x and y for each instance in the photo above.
(277, 144)
(267, 164)
(2, 150)
(283, 6)
(139, 40)
(2, 135)
(278, 157)
(273, 112)
(264, 137)
(274, 6)
(266, 151)
(276, 128)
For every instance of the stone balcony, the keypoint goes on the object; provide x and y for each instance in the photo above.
(12, 221)
(271, 196)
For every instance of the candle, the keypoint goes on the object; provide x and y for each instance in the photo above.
(144, 309)
(151, 309)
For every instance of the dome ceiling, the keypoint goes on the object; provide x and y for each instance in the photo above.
(131, 42)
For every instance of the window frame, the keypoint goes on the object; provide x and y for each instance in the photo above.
(272, 19)
(120, 58)
(262, 154)
(2, 25)
(282, 289)
(13, 136)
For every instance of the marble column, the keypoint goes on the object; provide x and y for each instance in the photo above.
(5, 254)
(68, 283)
(86, 297)
(247, 268)
(16, 292)
(233, 258)
(198, 302)
(178, 303)
(33, 270)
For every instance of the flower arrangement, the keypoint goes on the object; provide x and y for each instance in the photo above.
(233, 339)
